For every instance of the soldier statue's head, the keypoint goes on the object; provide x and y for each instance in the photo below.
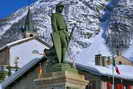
(59, 8)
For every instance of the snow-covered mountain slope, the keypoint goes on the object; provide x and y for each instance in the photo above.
(81, 14)
(98, 46)
(101, 44)
(129, 53)
(18, 15)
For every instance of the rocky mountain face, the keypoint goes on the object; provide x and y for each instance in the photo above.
(120, 27)
(81, 15)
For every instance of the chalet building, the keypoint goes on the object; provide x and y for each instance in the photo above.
(22, 51)
(121, 60)
(107, 60)
(86, 77)
(122, 64)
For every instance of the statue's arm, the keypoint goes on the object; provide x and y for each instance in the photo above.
(53, 22)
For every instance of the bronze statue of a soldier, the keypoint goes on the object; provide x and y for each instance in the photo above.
(60, 33)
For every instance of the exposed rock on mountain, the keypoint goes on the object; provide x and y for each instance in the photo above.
(120, 30)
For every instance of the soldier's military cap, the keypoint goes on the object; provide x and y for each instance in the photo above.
(59, 5)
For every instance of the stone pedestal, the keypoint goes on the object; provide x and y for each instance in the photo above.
(62, 78)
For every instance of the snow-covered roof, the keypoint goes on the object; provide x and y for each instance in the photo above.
(21, 72)
(21, 41)
(125, 71)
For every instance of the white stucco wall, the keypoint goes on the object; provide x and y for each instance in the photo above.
(24, 52)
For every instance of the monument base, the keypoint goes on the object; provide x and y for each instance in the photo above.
(61, 67)
(62, 76)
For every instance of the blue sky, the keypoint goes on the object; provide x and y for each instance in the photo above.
(7, 7)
